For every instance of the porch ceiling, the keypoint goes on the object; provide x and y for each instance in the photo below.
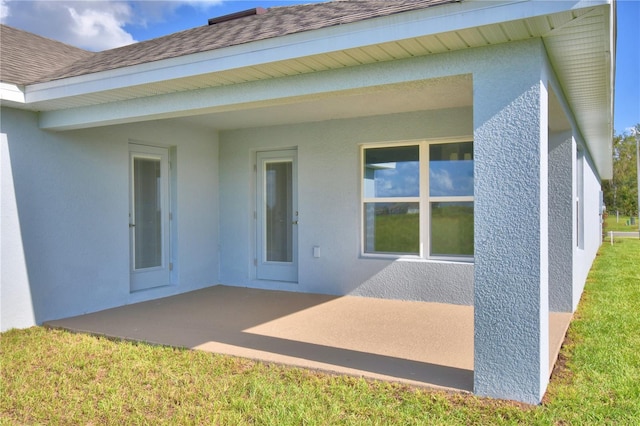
(440, 93)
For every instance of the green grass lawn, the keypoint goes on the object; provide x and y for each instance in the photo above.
(397, 233)
(611, 223)
(451, 231)
(55, 377)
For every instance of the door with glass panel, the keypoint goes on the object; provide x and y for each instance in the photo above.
(148, 217)
(277, 216)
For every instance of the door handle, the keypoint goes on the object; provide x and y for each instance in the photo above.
(295, 222)
(131, 225)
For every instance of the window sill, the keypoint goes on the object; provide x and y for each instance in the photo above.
(415, 258)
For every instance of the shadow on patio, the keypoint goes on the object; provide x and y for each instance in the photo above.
(416, 343)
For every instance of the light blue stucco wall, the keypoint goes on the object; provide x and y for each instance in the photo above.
(329, 204)
(511, 224)
(562, 219)
(584, 256)
(527, 258)
(569, 261)
(65, 210)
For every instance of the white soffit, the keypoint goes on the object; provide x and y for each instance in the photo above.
(582, 54)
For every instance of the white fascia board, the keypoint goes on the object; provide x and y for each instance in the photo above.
(433, 20)
(11, 94)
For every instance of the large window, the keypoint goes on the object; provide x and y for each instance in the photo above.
(418, 199)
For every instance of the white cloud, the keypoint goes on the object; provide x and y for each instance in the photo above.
(4, 10)
(101, 27)
(90, 24)
(632, 131)
(440, 182)
(203, 3)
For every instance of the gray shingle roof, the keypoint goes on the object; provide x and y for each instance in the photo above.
(26, 57)
(276, 22)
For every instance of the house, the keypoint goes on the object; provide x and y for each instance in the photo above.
(436, 150)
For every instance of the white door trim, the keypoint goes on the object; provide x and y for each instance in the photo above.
(276, 270)
(145, 277)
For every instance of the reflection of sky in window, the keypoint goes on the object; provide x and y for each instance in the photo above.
(400, 179)
(450, 178)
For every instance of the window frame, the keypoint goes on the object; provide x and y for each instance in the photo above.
(424, 200)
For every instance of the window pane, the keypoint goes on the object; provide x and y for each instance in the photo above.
(451, 169)
(279, 211)
(392, 172)
(392, 228)
(147, 213)
(452, 229)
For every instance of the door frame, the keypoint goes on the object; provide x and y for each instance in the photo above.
(157, 276)
(263, 268)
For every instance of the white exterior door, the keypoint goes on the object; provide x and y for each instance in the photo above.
(149, 217)
(277, 216)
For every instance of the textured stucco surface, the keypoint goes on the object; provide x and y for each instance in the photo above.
(69, 252)
(592, 229)
(511, 301)
(329, 209)
(561, 221)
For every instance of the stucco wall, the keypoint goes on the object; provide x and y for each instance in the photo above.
(329, 206)
(65, 206)
(561, 221)
(569, 264)
(523, 174)
(585, 256)
(511, 224)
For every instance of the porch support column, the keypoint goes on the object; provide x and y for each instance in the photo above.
(562, 152)
(511, 319)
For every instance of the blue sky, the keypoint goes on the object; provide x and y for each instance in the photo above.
(100, 25)
(627, 91)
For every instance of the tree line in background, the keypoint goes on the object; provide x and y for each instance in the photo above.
(621, 192)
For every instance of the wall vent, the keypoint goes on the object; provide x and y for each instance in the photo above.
(237, 15)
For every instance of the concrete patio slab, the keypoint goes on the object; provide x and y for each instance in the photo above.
(416, 343)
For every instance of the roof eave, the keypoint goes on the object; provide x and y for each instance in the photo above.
(12, 95)
(443, 18)
(430, 21)
(592, 105)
